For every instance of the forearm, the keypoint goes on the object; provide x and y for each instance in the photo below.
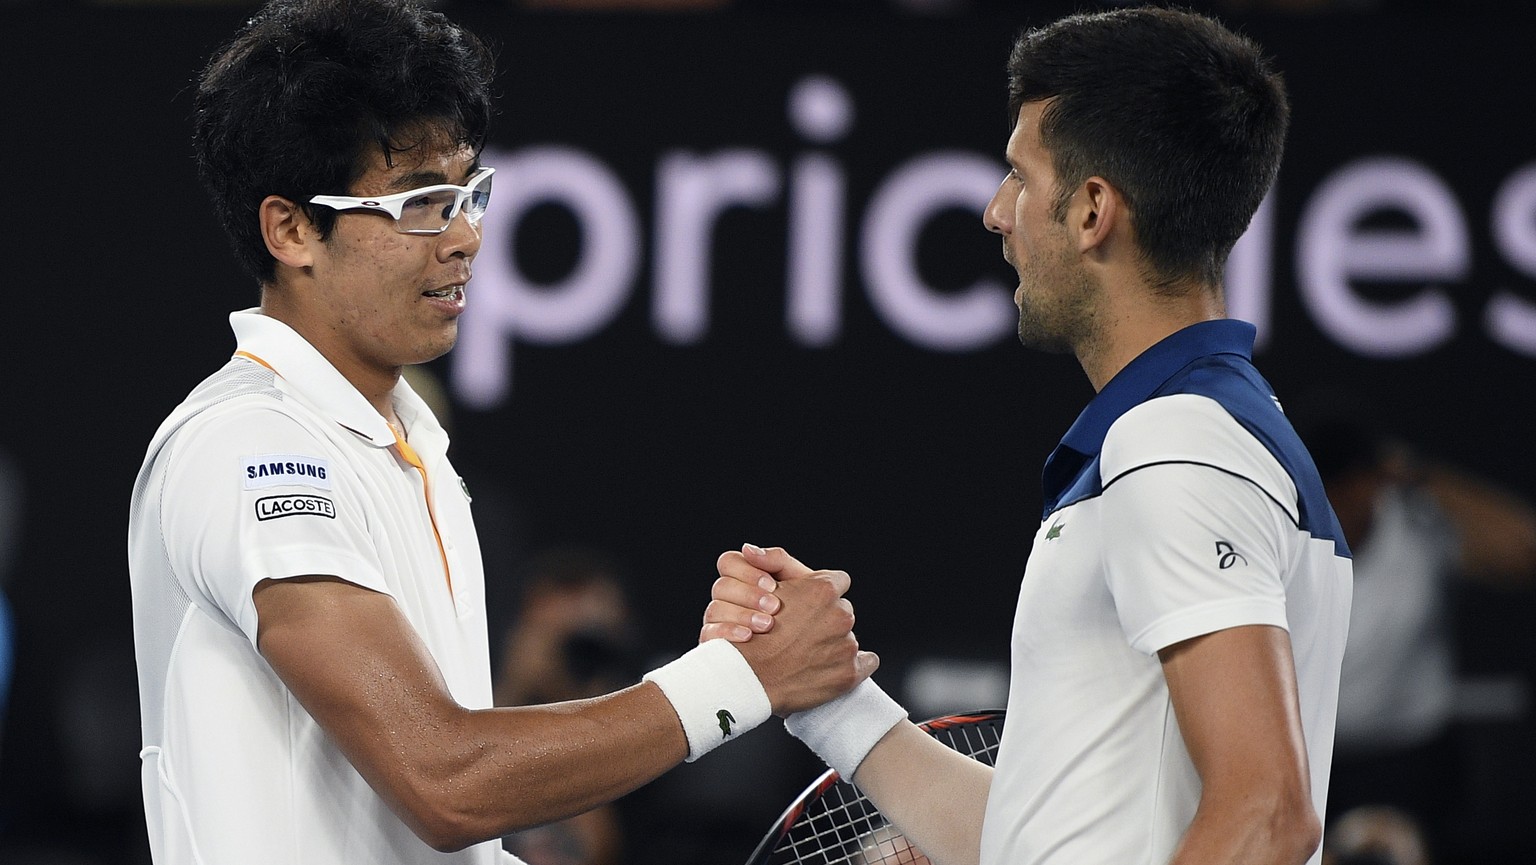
(455, 775)
(486, 773)
(935, 796)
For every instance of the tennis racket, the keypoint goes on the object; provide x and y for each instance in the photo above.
(831, 823)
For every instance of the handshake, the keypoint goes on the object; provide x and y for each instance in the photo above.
(793, 625)
(778, 640)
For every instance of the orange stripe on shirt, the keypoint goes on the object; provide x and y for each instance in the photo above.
(407, 453)
(248, 356)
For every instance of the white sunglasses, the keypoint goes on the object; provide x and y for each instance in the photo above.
(427, 210)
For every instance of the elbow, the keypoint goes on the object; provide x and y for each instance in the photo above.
(1307, 836)
(445, 830)
(1296, 831)
(445, 816)
(1268, 828)
(446, 843)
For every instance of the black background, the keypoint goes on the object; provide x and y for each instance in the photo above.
(915, 470)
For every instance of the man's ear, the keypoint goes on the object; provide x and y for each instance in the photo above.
(289, 234)
(1095, 212)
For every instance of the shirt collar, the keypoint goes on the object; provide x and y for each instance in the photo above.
(305, 371)
(1150, 370)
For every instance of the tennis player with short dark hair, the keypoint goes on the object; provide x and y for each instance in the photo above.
(309, 602)
(1181, 621)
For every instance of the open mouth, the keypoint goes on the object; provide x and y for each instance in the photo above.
(451, 292)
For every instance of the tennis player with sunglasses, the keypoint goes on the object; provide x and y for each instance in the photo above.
(308, 594)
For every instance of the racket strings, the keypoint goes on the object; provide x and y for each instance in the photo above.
(839, 827)
(842, 827)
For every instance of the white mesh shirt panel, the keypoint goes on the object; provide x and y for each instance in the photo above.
(160, 600)
(160, 608)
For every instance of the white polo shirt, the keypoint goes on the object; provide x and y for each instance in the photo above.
(275, 467)
(1179, 504)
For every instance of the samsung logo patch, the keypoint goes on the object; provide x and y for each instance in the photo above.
(281, 470)
(272, 507)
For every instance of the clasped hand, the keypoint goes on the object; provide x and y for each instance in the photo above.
(791, 623)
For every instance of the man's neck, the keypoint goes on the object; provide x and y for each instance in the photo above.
(376, 385)
(1132, 321)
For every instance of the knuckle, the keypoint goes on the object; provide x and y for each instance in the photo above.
(822, 589)
(728, 558)
(723, 588)
(845, 612)
(847, 675)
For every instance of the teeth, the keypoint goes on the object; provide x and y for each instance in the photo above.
(450, 291)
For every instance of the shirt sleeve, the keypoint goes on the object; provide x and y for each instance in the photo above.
(1194, 524)
(252, 495)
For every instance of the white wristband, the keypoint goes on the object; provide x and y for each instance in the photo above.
(842, 731)
(715, 694)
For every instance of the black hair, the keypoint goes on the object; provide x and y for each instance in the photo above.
(292, 104)
(1184, 117)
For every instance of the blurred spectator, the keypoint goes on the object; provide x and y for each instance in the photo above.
(1375, 836)
(574, 637)
(1414, 527)
(574, 634)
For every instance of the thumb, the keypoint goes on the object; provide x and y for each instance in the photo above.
(775, 561)
(865, 664)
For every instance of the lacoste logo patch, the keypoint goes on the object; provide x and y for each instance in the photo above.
(1053, 532)
(726, 719)
(273, 507)
(285, 470)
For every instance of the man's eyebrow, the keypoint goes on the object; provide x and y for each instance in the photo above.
(418, 179)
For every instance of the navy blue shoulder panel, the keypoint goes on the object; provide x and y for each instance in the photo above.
(1234, 383)
(1086, 484)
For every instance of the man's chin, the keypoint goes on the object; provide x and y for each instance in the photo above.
(1032, 337)
(442, 345)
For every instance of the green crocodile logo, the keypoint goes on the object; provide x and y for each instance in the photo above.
(726, 719)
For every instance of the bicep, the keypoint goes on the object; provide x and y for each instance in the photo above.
(1234, 695)
(354, 662)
